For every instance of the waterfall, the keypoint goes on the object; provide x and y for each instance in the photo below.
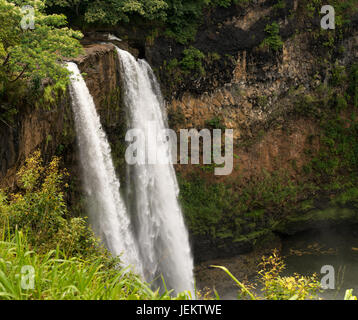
(153, 237)
(107, 212)
(153, 190)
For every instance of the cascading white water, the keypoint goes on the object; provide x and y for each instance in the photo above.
(162, 246)
(153, 196)
(107, 212)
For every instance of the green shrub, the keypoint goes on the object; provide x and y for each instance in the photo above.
(192, 61)
(273, 41)
(276, 287)
(281, 4)
(339, 76)
(215, 123)
(28, 55)
(68, 262)
(218, 209)
(40, 211)
(60, 277)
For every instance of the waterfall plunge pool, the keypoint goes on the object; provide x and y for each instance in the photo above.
(304, 253)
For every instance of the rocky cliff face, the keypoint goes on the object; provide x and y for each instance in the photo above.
(259, 99)
(33, 129)
(50, 128)
(275, 100)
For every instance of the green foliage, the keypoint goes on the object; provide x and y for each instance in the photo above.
(339, 151)
(262, 101)
(341, 103)
(189, 67)
(31, 61)
(192, 61)
(180, 18)
(276, 287)
(213, 56)
(231, 210)
(281, 4)
(339, 76)
(308, 106)
(184, 17)
(344, 9)
(344, 12)
(349, 295)
(204, 205)
(39, 210)
(112, 12)
(34, 54)
(334, 166)
(69, 263)
(215, 123)
(61, 277)
(348, 196)
(273, 41)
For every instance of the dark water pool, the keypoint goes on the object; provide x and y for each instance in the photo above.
(308, 252)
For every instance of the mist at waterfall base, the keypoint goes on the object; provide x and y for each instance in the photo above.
(146, 228)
